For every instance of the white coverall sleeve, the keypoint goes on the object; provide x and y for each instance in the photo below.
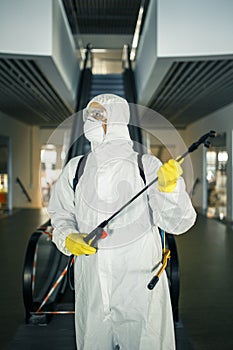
(172, 211)
(62, 207)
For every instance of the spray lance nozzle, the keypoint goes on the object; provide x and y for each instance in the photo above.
(202, 140)
(207, 144)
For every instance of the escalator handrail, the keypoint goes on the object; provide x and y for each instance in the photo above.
(77, 143)
(88, 58)
(174, 277)
(28, 271)
(55, 258)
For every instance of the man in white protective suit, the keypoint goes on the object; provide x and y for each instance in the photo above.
(114, 309)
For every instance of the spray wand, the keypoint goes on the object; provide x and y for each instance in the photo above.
(99, 233)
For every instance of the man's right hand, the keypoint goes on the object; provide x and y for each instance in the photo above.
(76, 245)
(168, 175)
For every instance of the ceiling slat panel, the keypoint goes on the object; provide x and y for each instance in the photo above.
(28, 95)
(200, 82)
(186, 90)
(102, 17)
(171, 86)
(191, 75)
(211, 86)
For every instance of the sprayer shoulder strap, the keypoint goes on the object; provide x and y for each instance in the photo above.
(141, 168)
(140, 164)
(79, 171)
(78, 174)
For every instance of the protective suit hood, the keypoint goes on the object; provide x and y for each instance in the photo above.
(118, 115)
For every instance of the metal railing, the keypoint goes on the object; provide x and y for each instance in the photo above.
(23, 189)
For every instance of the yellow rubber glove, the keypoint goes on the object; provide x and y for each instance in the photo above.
(76, 245)
(168, 175)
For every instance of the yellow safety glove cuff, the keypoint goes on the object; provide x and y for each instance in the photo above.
(168, 175)
(76, 245)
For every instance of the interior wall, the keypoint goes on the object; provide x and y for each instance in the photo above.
(25, 161)
(26, 27)
(63, 49)
(146, 52)
(194, 28)
(220, 121)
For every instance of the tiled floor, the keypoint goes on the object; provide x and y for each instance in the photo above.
(206, 297)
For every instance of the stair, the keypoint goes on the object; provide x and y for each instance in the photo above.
(107, 84)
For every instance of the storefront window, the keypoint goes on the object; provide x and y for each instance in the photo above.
(51, 165)
(216, 165)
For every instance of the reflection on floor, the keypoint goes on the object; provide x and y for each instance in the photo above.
(206, 303)
(15, 231)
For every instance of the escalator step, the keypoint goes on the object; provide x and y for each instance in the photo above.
(103, 76)
(107, 84)
(107, 90)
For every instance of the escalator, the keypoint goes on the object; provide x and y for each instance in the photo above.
(48, 298)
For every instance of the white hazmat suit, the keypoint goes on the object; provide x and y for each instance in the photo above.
(113, 306)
